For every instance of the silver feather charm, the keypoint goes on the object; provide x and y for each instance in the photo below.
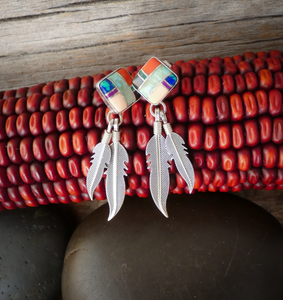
(115, 183)
(175, 147)
(100, 160)
(159, 180)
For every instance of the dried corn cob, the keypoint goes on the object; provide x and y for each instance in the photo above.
(229, 112)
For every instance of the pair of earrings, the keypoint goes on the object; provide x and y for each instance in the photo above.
(119, 91)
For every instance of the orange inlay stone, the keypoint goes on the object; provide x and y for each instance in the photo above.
(151, 65)
(126, 76)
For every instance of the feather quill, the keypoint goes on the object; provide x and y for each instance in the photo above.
(115, 183)
(175, 147)
(159, 174)
(100, 159)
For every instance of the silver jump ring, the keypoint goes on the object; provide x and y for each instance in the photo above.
(163, 108)
(116, 124)
(110, 126)
(120, 117)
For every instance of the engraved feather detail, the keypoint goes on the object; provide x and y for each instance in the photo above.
(175, 147)
(159, 174)
(100, 160)
(115, 183)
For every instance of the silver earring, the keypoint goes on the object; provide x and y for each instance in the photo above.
(118, 94)
(154, 82)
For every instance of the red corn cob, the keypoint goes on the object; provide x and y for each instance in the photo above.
(228, 111)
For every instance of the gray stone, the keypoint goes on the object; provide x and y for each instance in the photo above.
(32, 248)
(213, 246)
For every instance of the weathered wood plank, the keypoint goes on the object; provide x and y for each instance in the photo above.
(13, 10)
(212, 9)
(196, 9)
(272, 201)
(50, 42)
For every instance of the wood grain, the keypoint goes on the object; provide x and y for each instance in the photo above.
(45, 40)
(272, 201)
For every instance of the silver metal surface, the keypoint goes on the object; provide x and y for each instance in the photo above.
(159, 180)
(115, 183)
(152, 106)
(175, 147)
(104, 98)
(167, 65)
(112, 112)
(99, 161)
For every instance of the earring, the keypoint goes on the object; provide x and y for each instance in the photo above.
(117, 92)
(154, 81)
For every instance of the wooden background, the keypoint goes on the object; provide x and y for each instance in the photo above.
(46, 40)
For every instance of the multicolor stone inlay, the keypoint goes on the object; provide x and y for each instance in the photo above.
(106, 86)
(154, 81)
(112, 93)
(166, 84)
(116, 90)
(142, 74)
(171, 79)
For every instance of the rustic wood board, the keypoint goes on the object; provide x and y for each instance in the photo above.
(272, 201)
(48, 40)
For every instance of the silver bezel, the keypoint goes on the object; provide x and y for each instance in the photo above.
(165, 64)
(105, 100)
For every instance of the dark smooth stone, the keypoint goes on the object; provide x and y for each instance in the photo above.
(32, 248)
(212, 246)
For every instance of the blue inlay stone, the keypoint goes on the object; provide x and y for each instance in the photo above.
(106, 86)
(171, 79)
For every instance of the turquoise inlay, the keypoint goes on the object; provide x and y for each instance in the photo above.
(171, 79)
(106, 86)
(154, 80)
(123, 87)
(142, 74)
